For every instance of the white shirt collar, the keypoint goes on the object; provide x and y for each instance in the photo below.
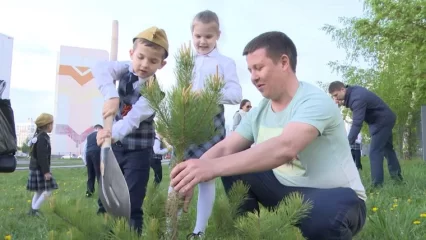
(213, 53)
(141, 80)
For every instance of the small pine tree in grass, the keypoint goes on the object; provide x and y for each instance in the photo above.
(184, 117)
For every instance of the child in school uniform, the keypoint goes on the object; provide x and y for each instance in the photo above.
(40, 179)
(133, 128)
(205, 33)
(160, 149)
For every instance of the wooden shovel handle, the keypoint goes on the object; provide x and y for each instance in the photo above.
(108, 126)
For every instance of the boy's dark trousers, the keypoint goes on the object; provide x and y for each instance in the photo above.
(356, 155)
(93, 159)
(156, 166)
(135, 165)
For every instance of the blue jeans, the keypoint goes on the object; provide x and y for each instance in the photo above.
(336, 214)
(381, 146)
(135, 165)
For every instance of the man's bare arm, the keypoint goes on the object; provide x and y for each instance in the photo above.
(267, 155)
(233, 143)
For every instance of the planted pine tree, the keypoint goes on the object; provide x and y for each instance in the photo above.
(184, 117)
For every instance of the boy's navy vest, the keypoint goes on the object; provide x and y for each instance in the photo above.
(91, 144)
(143, 136)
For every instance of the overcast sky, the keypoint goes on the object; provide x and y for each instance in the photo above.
(40, 27)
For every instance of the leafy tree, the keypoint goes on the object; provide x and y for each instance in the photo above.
(25, 148)
(390, 39)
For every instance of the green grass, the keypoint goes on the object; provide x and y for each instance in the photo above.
(400, 208)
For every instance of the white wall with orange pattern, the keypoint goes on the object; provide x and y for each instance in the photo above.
(78, 102)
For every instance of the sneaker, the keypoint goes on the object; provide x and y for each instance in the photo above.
(35, 212)
(199, 235)
(88, 194)
(100, 211)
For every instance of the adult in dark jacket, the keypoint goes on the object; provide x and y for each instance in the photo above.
(92, 157)
(367, 106)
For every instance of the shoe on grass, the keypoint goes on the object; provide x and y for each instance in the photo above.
(35, 212)
(199, 235)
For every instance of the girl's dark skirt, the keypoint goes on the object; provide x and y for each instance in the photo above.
(36, 182)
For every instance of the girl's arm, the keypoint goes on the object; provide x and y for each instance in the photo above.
(231, 93)
(42, 154)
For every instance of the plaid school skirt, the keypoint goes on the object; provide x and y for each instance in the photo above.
(196, 151)
(36, 182)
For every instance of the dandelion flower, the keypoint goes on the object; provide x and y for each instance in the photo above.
(375, 209)
(417, 222)
(8, 237)
(423, 215)
(395, 205)
(409, 200)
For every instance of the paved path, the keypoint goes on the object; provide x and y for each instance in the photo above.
(28, 162)
(164, 162)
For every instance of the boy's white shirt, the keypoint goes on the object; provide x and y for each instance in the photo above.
(105, 73)
(205, 65)
(157, 148)
(348, 128)
(83, 153)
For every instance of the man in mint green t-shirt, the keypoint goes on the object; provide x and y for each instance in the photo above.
(300, 146)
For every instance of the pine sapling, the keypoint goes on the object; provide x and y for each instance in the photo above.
(184, 117)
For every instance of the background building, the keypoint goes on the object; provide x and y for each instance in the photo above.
(24, 131)
(78, 102)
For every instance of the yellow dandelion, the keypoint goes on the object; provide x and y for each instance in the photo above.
(423, 215)
(28, 201)
(395, 205)
(375, 209)
(417, 222)
(395, 200)
(8, 237)
(408, 200)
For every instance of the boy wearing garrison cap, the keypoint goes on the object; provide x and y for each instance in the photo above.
(133, 128)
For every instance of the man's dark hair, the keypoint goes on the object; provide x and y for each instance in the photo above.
(98, 126)
(335, 86)
(276, 44)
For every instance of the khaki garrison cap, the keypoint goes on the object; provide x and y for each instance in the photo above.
(155, 35)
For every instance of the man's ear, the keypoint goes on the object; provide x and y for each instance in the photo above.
(163, 64)
(131, 53)
(285, 62)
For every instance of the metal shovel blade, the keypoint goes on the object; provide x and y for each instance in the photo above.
(114, 193)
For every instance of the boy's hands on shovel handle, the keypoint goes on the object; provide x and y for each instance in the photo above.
(110, 107)
(101, 135)
(108, 112)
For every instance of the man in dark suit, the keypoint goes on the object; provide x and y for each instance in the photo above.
(91, 156)
(367, 106)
